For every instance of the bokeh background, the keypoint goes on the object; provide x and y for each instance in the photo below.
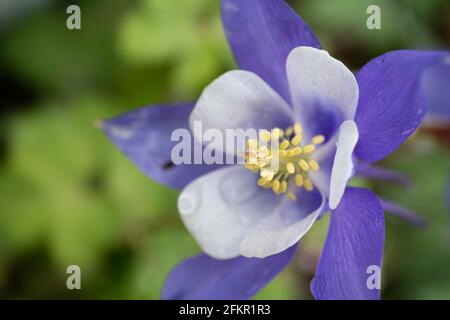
(68, 196)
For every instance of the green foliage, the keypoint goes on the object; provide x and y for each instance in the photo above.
(187, 35)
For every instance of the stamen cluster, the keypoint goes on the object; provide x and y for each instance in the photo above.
(281, 159)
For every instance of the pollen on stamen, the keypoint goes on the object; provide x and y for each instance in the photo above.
(289, 131)
(282, 160)
(319, 139)
(299, 180)
(303, 164)
(277, 133)
(309, 148)
(290, 167)
(308, 185)
(264, 135)
(296, 140)
(275, 186)
(267, 174)
(284, 144)
(262, 181)
(290, 153)
(296, 151)
(248, 166)
(283, 187)
(313, 165)
(252, 144)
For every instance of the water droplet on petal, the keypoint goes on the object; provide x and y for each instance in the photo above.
(188, 202)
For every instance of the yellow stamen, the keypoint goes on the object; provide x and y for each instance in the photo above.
(283, 186)
(309, 148)
(249, 166)
(318, 139)
(275, 185)
(308, 185)
(293, 160)
(298, 129)
(290, 153)
(268, 174)
(296, 140)
(296, 151)
(262, 181)
(252, 144)
(264, 135)
(284, 144)
(299, 180)
(290, 167)
(313, 165)
(277, 133)
(291, 196)
(303, 164)
(289, 131)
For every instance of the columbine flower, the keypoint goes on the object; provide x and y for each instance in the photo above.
(325, 122)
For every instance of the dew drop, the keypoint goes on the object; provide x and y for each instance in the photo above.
(232, 193)
(188, 202)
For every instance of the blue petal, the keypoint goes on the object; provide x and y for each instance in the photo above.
(391, 102)
(261, 34)
(436, 83)
(367, 170)
(403, 213)
(355, 242)
(202, 277)
(144, 136)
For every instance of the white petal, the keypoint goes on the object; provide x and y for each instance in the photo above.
(240, 100)
(324, 155)
(285, 227)
(219, 208)
(343, 163)
(314, 75)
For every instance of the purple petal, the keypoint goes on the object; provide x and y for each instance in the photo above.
(144, 136)
(354, 246)
(261, 34)
(369, 171)
(436, 83)
(391, 104)
(202, 277)
(403, 213)
(319, 117)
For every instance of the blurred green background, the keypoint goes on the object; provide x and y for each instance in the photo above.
(68, 196)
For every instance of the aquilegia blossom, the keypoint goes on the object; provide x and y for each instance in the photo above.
(327, 123)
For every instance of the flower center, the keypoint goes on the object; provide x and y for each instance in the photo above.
(281, 159)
